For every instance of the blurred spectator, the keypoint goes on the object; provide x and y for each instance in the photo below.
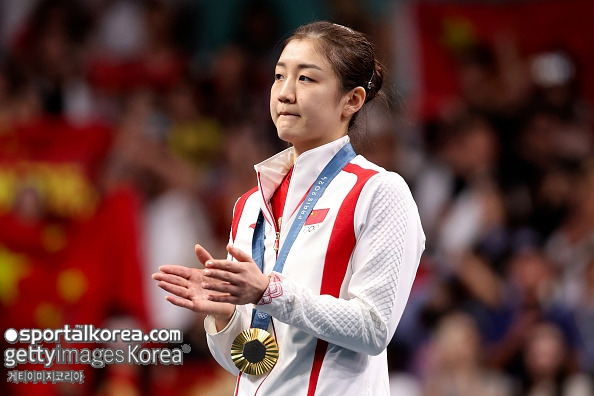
(458, 197)
(541, 167)
(528, 299)
(455, 363)
(134, 49)
(554, 75)
(571, 247)
(547, 366)
(195, 136)
(51, 50)
(585, 319)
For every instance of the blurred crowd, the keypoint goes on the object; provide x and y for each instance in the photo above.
(128, 129)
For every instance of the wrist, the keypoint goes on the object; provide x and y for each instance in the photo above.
(222, 320)
(273, 290)
(264, 286)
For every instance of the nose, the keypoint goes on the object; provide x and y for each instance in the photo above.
(287, 92)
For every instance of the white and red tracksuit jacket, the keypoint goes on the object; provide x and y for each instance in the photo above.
(345, 283)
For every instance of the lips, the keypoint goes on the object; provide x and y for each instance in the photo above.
(286, 113)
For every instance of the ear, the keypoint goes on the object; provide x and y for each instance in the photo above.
(354, 100)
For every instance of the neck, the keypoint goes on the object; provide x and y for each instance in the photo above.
(300, 148)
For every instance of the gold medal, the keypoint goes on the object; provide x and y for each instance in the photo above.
(254, 351)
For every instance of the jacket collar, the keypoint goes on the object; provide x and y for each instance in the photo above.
(307, 168)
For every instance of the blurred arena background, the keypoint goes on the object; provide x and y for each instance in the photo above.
(128, 129)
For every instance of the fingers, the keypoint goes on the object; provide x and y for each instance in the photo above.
(225, 281)
(180, 302)
(174, 279)
(239, 254)
(218, 266)
(219, 287)
(178, 270)
(223, 298)
(174, 289)
(220, 274)
(231, 266)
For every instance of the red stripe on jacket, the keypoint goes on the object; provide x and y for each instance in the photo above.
(239, 210)
(340, 247)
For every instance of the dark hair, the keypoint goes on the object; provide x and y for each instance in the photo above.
(351, 55)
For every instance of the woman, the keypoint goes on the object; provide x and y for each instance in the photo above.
(339, 237)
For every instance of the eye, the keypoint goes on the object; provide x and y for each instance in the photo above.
(278, 76)
(305, 78)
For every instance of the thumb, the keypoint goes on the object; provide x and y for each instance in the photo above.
(239, 254)
(202, 254)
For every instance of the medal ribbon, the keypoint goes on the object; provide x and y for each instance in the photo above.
(261, 319)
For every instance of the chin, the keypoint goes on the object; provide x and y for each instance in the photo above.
(286, 136)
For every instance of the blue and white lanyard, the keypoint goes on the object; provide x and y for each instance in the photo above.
(260, 319)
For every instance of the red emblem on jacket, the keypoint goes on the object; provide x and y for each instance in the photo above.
(316, 216)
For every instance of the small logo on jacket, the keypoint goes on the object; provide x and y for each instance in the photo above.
(314, 220)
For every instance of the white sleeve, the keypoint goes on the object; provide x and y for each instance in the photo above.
(219, 342)
(390, 241)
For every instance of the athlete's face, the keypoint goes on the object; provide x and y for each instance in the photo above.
(305, 103)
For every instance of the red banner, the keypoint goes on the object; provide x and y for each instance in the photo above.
(69, 253)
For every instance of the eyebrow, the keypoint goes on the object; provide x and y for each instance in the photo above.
(302, 66)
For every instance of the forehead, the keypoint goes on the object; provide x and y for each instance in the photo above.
(304, 51)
